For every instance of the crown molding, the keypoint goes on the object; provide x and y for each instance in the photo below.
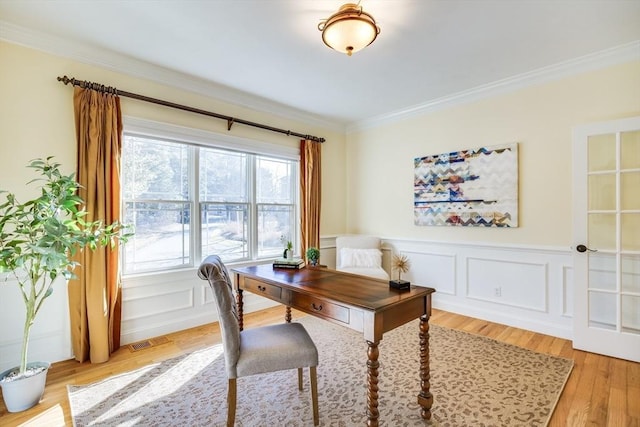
(605, 58)
(123, 64)
(136, 68)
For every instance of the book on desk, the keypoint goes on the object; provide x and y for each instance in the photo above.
(295, 263)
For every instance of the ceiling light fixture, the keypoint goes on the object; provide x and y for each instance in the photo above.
(349, 30)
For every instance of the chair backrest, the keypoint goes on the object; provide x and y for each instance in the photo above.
(213, 270)
(355, 242)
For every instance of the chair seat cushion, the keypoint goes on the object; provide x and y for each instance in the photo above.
(275, 348)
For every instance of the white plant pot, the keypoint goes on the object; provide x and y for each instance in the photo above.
(23, 393)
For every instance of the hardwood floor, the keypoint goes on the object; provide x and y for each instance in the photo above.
(601, 391)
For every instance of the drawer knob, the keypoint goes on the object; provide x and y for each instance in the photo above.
(261, 288)
(316, 307)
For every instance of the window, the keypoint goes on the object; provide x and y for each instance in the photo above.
(189, 199)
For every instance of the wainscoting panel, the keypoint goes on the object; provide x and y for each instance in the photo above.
(50, 334)
(567, 290)
(431, 268)
(518, 284)
(158, 304)
(162, 303)
(536, 288)
(525, 287)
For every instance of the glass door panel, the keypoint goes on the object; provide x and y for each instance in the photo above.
(630, 231)
(630, 150)
(630, 186)
(630, 268)
(602, 231)
(602, 195)
(602, 271)
(602, 310)
(631, 314)
(601, 153)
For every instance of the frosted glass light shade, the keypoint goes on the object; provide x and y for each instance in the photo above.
(349, 30)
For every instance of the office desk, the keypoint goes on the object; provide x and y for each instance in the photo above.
(367, 305)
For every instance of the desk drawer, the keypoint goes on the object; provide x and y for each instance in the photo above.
(320, 307)
(265, 289)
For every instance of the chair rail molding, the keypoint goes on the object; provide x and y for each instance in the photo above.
(523, 286)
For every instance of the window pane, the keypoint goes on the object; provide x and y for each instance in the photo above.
(274, 180)
(223, 176)
(154, 169)
(274, 221)
(161, 237)
(173, 190)
(225, 231)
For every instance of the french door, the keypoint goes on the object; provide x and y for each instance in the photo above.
(607, 238)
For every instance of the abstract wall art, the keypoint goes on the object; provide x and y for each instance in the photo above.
(472, 188)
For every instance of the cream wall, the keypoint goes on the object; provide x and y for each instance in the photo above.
(540, 118)
(521, 277)
(36, 120)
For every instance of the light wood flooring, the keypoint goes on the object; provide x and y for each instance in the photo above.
(601, 391)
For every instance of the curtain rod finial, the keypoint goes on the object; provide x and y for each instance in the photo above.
(66, 80)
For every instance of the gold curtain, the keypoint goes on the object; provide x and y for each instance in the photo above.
(310, 194)
(95, 297)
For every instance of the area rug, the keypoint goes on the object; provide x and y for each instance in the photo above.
(475, 381)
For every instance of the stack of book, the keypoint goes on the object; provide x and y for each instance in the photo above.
(288, 263)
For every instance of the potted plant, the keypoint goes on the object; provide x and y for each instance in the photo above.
(401, 264)
(37, 241)
(288, 247)
(313, 255)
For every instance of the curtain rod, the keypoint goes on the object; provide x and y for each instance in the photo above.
(230, 120)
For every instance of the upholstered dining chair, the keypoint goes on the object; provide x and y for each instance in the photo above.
(257, 350)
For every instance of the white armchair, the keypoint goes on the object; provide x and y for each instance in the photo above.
(360, 255)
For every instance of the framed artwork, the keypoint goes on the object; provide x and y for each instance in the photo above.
(469, 188)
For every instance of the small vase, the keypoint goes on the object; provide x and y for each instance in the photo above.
(288, 254)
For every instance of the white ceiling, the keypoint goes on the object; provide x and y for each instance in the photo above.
(271, 49)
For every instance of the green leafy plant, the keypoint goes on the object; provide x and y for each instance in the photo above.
(313, 254)
(38, 239)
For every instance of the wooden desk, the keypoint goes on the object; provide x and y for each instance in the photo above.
(367, 305)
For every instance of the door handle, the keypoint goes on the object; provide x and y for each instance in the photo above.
(583, 248)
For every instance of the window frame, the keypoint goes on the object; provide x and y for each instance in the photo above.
(198, 138)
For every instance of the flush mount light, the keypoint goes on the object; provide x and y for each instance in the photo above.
(349, 30)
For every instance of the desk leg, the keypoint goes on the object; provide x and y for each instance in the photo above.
(240, 307)
(425, 398)
(372, 376)
(287, 316)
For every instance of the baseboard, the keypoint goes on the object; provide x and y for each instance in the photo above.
(530, 324)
